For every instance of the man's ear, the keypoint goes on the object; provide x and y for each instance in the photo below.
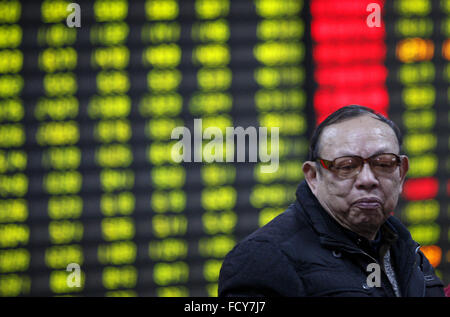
(311, 174)
(404, 167)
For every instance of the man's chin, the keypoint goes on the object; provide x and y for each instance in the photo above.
(369, 218)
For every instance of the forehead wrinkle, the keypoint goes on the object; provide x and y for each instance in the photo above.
(361, 135)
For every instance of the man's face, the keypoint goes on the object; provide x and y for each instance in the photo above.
(361, 203)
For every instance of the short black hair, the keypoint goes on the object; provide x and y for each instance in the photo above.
(342, 114)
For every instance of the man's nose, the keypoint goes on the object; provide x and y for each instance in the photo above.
(366, 178)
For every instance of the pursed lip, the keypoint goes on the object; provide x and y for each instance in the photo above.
(368, 202)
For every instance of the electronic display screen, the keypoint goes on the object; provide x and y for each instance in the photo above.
(91, 93)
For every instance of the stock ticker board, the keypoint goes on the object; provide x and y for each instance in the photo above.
(87, 180)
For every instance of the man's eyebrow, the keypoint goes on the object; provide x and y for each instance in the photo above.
(380, 151)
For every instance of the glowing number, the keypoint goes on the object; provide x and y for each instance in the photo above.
(161, 9)
(413, 7)
(114, 155)
(10, 61)
(280, 29)
(58, 282)
(219, 222)
(414, 27)
(10, 11)
(415, 50)
(113, 82)
(13, 185)
(164, 80)
(162, 56)
(118, 228)
(53, 11)
(168, 176)
(174, 201)
(11, 110)
(65, 207)
(211, 270)
(56, 35)
(116, 57)
(14, 260)
(425, 165)
(170, 273)
(58, 59)
(418, 143)
(164, 226)
(210, 102)
(160, 32)
(211, 9)
(58, 133)
(278, 53)
(117, 253)
(420, 120)
(214, 175)
(214, 79)
(216, 246)
(425, 234)
(417, 97)
(289, 124)
(60, 108)
(446, 50)
(106, 10)
(421, 211)
(219, 198)
(112, 180)
(417, 73)
(11, 135)
(13, 210)
(109, 107)
(58, 257)
(172, 291)
(68, 182)
(168, 249)
(271, 195)
(60, 84)
(275, 8)
(113, 130)
(122, 203)
(155, 105)
(62, 157)
(14, 285)
(65, 231)
(116, 277)
(212, 31)
(12, 235)
(211, 55)
(10, 85)
(110, 33)
(159, 153)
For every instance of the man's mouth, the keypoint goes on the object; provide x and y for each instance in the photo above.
(368, 203)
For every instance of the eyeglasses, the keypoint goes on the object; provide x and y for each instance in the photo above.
(350, 166)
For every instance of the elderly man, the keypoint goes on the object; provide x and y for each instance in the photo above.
(339, 238)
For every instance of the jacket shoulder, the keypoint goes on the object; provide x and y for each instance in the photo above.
(281, 228)
(258, 265)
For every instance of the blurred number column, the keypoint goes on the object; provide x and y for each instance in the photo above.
(280, 103)
(14, 233)
(58, 135)
(112, 131)
(415, 105)
(161, 108)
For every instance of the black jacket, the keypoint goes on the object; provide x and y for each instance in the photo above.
(305, 252)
